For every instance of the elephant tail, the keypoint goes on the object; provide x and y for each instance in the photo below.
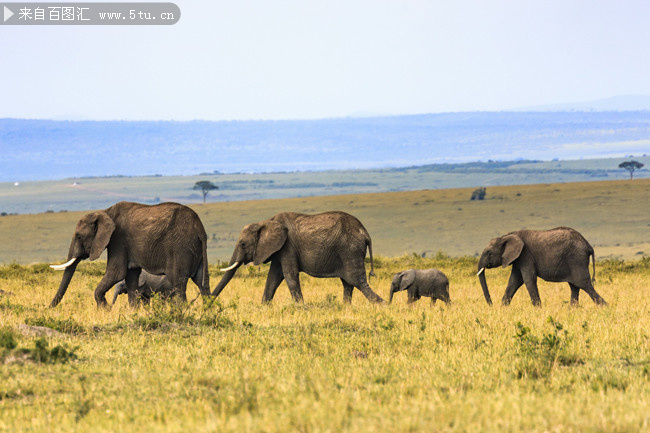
(205, 279)
(593, 267)
(372, 268)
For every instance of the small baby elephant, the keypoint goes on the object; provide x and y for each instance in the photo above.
(421, 282)
(148, 284)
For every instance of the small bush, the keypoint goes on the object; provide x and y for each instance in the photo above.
(539, 356)
(39, 354)
(7, 339)
(58, 354)
(479, 194)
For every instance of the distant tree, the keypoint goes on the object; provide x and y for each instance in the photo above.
(631, 166)
(205, 186)
(478, 194)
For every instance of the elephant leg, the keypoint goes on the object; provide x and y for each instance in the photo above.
(347, 291)
(198, 280)
(514, 283)
(132, 289)
(181, 290)
(115, 272)
(410, 299)
(368, 292)
(589, 288)
(293, 281)
(108, 281)
(575, 293)
(178, 280)
(273, 280)
(290, 270)
(531, 286)
(433, 301)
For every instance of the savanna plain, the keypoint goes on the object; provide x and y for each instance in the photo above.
(324, 366)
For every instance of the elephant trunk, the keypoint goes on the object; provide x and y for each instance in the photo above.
(118, 290)
(236, 261)
(445, 296)
(393, 288)
(65, 282)
(481, 278)
(224, 281)
(238, 258)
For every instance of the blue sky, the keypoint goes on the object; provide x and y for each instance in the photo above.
(301, 59)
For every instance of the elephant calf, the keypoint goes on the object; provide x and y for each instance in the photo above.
(421, 282)
(148, 285)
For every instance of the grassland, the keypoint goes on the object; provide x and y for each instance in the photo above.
(324, 366)
(613, 216)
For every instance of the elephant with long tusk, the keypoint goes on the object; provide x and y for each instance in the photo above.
(326, 245)
(167, 238)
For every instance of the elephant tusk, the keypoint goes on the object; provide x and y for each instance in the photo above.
(480, 272)
(231, 267)
(64, 265)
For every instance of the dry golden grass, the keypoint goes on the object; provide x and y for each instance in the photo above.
(324, 366)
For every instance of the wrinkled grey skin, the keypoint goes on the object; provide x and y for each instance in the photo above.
(148, 285)
(326, 245)
(421, 282)
(167, 238)
(557, 255)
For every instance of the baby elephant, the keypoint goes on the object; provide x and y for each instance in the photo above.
(148, 284)
(421, 282)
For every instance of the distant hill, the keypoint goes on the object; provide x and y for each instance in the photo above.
(615, 103)
(43, 149)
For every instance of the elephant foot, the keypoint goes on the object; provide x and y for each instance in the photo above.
(103, 306)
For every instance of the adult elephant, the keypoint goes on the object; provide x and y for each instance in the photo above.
(167, 238)
(557, 255)
(326, 245)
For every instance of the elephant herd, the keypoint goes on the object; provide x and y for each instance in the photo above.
(157, 249)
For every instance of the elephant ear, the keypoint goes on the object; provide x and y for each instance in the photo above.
(271, 236)
(511, 250)
(105, 229)
(407, 279)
